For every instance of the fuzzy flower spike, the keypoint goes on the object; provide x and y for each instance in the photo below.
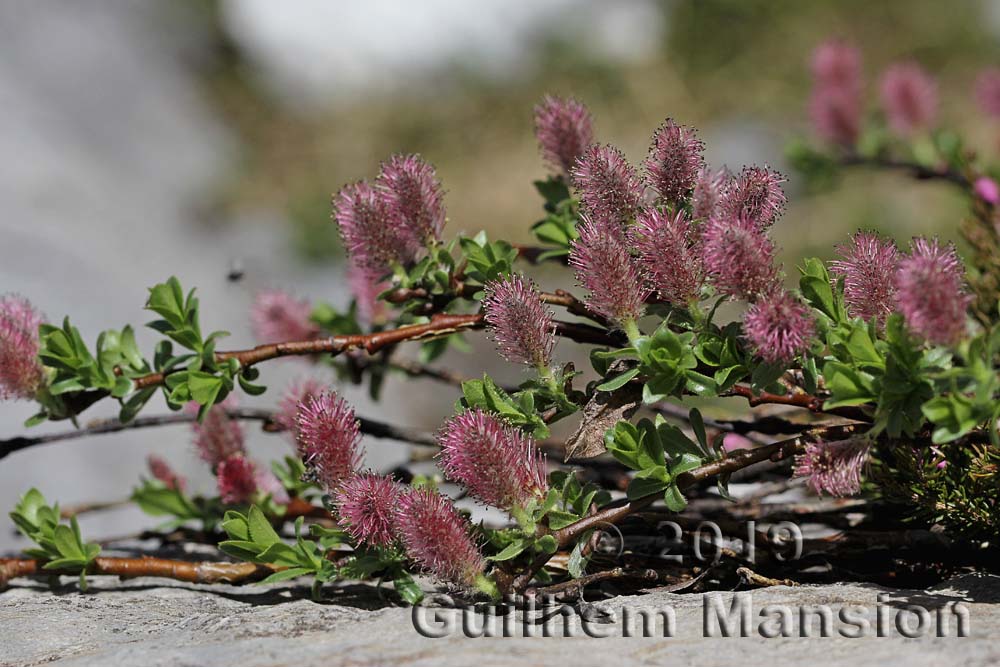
(365, 506)
(328, 438)
(755, 194)
(834, 467)
(372, 236)
(669, 255)
(674, 162)
(437, 538)
(738, 257)
(930, 291)
(413, 197)
(277, 317)
(218, 437)
(521, 325)
(779, 327)
(606, 269)
(909, 98)
(868, 267)
(564, 129)
(609, 187)
(835, 105)
(496, 462)
(21, 374)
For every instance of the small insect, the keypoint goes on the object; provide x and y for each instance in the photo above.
(236, 272)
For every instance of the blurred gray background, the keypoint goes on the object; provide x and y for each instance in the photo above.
(144, 139)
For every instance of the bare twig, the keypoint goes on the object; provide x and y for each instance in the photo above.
(206, 572)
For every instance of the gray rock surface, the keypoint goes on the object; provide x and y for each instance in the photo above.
(153, 622)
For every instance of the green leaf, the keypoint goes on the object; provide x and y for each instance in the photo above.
(260, 529)
(558, 519)
(512, 550)
(204, 387)
(407, 588)
(547, 544)
(640, 487)
(674, 499)
(285, 575)
(618, 381)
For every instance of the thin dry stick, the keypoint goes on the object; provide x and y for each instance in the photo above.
(206, 572)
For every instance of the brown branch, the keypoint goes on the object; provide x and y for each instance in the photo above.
(918, 171)
(799, 400)
(372, 427)
(206, 572)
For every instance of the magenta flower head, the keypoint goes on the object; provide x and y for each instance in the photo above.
(738, 257)
(987, 190)
(21, 374)
(161, 470)
(707, 193)
(610, 189)
(868, 266)
(675, 158)
(437, 538)
(909, 98)
(522, 326)
(756, 195)
(564, 129)
(366, 286)
(835, 105)
(496, 462)
(374, 239)
(988, 91)
(236, 479)
(328, 438)
(277, 316)
(779, 327)
(834, 467)
(606, 269)
(930, 291)
(298, 392)
(669, 255)
(218, 437)
(413, 196)
(366, 504)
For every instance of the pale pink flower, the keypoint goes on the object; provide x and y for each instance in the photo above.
(988, 91)
(835, 62)
(675, 159)
(497, 463)
(606, 269)
(366, 286)
(437, 537)
(610, 189)
(366, 505)
(754, 194)
(987, 190)
(522, 326)
(413, 196)
(564, 129)
(21, 373)
(161, 470)
(276, 317)
(707, 193)
(779, 327)
(738, 257)
(835, 105)
(834, 467)
(328, 438)
(218, 437)
(909, 98)
(295, 394)
(868, 265)
(669, 255)
(268, 484)
(931, 294)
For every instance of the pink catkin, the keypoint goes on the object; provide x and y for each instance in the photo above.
(909, 98)
(868, 266)
(437, 537)
(218, 437)
(707, 193)
(987, 91)
(669, 255)
(610, 190)
(521, 325)
(328, 438)
(236, 479)
(835, 105)
(738, 257)
(297, 393)
(930, 289)
(674, 162)
(987, 190)
(755, 194)
(606, 269)
(161, 471)
(834, 467)
(779, 327)
(413, 197)
(277, 316)
(366, 505)
(366, 286)
(564, 129)
(21, 373)
(497, 463)
(373, 237)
